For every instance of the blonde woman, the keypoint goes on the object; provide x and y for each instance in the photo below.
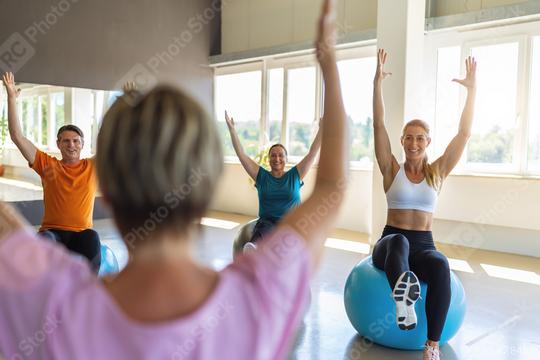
(406, 251)
(158, 161)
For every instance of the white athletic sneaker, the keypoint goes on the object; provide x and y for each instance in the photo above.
(431, 353)
(249, 246)
(405, 294)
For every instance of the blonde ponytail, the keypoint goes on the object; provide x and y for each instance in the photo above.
(432, 176)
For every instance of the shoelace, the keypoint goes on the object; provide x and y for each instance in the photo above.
(433, 352)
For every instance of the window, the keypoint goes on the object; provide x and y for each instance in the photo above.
(494, 144)
(448, 106)
(39, 109)
(43, 101)
(275, 105)
(495, 124)
(59, 116)
(533, 163)
(4, 136)
(357, 88)
(30, 117)
(301, 99)
(240, 95)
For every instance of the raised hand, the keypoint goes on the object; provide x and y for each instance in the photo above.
(380, 74)
(129, 87)
(470, 79)
(9, 83)
(229, 120)
(326, 34)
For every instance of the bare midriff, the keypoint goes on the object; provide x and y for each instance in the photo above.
(408, 219)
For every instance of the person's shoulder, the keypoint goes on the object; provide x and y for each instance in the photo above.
(89, 161)
(293, 171)
(263, 172)
(45, 157)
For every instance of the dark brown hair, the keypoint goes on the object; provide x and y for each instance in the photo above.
(278, 145)
(69, 128)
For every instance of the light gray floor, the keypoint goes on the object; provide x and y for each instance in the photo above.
(502, 321)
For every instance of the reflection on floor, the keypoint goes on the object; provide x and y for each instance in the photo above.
(503, 315)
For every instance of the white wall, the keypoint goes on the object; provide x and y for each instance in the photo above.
(255, 24)
(477, 212)
(237, 194)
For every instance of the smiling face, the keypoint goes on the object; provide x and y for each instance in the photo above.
(70, 144)
(277, 157)
(415, 140)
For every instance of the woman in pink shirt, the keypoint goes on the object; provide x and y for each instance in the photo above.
(158, 161)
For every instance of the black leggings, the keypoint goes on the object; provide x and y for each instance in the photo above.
(85, 243)
(400, 250)
(262, 227)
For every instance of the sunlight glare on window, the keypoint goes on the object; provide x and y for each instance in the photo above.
(301, 92)
(494, 126)
(240, 95)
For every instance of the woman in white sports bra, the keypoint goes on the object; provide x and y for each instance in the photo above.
(406, 251)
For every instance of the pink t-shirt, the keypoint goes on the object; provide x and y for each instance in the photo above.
(53, 307)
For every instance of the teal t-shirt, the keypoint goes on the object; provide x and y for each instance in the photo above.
(277, 195)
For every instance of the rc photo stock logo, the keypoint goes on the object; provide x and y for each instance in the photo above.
(15, 52)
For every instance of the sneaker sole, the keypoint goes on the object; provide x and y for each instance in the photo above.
(408, 290)
(409, 281)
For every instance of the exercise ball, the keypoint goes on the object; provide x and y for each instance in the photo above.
(372, 311)
(243, 236)
(109, 263)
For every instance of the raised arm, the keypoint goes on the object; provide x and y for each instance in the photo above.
(251, 167)
(383, 151)
(455, 149)
(305, 164)
(315, 217)
(26, 147)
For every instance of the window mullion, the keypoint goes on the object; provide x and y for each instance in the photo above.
(263, 134)
(284, 121)
(522, 106)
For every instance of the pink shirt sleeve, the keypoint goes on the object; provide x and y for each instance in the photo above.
(35, 277)
(277, 277)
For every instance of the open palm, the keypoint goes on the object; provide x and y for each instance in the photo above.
(470, 79)
(9, 83)
(380, 74)
(129, 87)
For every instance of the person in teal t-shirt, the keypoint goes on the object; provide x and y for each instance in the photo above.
(279, 190)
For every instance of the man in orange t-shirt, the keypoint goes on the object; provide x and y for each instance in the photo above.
(69, 185)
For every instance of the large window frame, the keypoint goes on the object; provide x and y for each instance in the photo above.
(518, 156)
(238, 69)
(40, 92)
(466, 39)
(289, 63)
(100, 102)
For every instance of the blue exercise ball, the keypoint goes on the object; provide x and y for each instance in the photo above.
(372, 311)
(109, 263)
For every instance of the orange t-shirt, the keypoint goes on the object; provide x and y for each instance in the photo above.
(68, 192)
